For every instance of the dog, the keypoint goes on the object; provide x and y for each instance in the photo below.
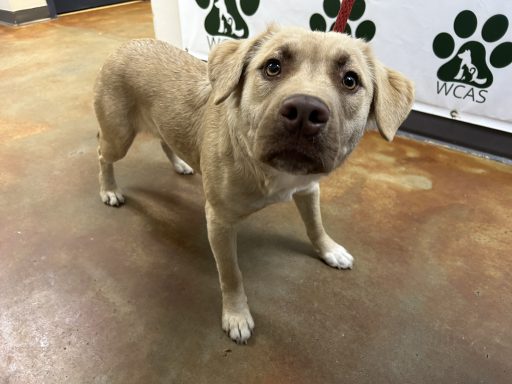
(263, 121)
(468, 71)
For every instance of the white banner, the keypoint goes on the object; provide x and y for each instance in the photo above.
(459, 53)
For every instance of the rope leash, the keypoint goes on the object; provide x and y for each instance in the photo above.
(343, 14)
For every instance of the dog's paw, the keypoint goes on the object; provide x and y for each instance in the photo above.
(182, 168)
(238, 325)
(336, 256)
(112, 198)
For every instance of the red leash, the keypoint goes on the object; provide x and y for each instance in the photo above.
(343, 14)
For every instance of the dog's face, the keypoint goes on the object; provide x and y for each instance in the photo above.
(305, 97)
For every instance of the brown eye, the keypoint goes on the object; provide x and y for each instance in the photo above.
(272, 68)
(350, 80)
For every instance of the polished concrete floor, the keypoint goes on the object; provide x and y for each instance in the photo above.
(90, 294)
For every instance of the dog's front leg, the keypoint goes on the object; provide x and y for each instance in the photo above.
(236, 317)
(308, 203)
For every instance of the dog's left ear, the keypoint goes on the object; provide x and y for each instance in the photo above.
(393, 96)
(228, 60)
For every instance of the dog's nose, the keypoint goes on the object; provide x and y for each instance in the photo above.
(304, 114)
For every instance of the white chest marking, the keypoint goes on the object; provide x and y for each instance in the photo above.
(283, 186)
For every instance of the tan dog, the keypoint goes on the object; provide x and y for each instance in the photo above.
(262, 122)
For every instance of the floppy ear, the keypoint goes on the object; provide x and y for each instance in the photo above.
(228, 60)
(393, 96)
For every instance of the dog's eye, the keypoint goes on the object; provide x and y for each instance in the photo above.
(350, 80)
(272, 68)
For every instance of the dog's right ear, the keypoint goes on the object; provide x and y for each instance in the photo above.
(227, 62)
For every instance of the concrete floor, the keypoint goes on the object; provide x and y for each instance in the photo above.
(90, 294)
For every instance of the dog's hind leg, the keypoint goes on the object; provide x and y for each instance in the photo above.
(179, 165)
(108, 153)
(115, 137)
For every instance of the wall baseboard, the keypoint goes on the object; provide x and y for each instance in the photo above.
(24, 15)
(471, 136)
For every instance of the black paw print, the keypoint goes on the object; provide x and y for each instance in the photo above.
(225, 19)
(469, 65)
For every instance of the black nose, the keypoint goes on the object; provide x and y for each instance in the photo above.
(304, 114)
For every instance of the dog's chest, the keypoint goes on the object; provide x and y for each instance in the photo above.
(283, 186)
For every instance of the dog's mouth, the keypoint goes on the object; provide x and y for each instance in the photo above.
(294, 161)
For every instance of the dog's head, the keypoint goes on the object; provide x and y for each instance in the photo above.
(303, 99)
(465, 55)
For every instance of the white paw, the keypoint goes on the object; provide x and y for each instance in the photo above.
(238, 325)
(182, 168)
(336, 256)
(112, 198)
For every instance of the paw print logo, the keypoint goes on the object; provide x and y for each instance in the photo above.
(469, 64)
(365, 29)
(225, 19)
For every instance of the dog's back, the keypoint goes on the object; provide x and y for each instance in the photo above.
(131, 89)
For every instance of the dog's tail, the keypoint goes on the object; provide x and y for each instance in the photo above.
(476, 79)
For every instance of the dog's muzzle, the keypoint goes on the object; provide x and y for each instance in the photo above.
(296, 145)
(304, 115)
